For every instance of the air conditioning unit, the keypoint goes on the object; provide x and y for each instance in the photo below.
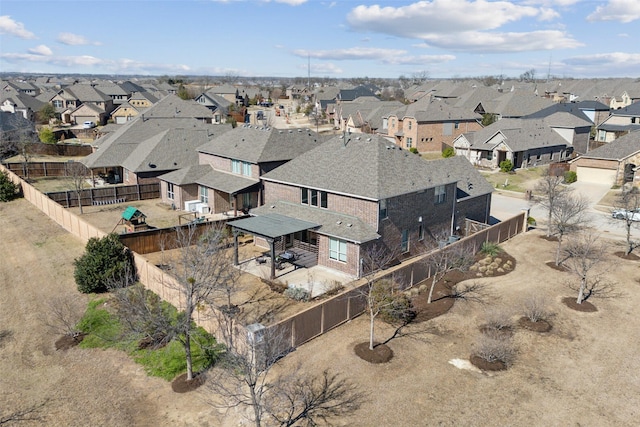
(190, 205)
(203, 208)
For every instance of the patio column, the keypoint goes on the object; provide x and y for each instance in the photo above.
(235, 246)
(272, 253)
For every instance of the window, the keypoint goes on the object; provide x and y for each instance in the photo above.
(489, 155)
(385, 123)
(170, 193)
(420, 232)
(246, 168)
(58, 103)
(315, 198)
(246, 200)
(456, 125)
(235, 166)
(204, 194)
(409, 142)
(409, 123)
(404, 243)
(440, 194)
(338, 249)
(382, 209)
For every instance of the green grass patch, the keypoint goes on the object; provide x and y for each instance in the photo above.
(490, 249)
(104, 329)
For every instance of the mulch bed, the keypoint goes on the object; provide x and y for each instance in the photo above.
(559, 267)
(381, 353)
(539, 326)
(66, 342)
(585, 306)
(630, 257)
(485, 365)
(181, 385)
(442, 299)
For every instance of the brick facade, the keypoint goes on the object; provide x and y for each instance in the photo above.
(428, 136)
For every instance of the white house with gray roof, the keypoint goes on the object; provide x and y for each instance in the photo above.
(359, 190)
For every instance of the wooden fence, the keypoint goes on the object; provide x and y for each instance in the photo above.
(107, 195)
(330, 313)
(44, 169)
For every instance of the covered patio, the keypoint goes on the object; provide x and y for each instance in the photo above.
(275, 228)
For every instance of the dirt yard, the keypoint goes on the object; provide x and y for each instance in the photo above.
(583, 372)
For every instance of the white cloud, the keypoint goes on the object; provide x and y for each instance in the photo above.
(480, 42)
(419, 59)
(74, 39)
(463, 25)
(41, 50)
(551, 3)
(10, 27)
(324, 68)
(624, 11)
(351, 53)
(438, 16)
(610, 59)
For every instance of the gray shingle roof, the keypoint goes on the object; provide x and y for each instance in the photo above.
(185, 176)
(618, 149)
(224, 181)
(369, 167)
(427, 109)
(257, 145)
(331, 223)
(517, 134)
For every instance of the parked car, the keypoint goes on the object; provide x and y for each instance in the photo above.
(88, 125)
(633, 215)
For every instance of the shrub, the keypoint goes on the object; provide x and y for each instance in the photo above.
(506, 166)
(8, 190)
(414, 150)
(47, 136)
(400, 310)
(531, 221)
(534, 307)
(490, 249)
(570, 177)
(448, 152)
(497, 320)
(298, 294)
(494, 348)
(104, 260)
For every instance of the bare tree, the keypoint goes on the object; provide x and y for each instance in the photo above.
(63, 313)
(77, 173)
(567, 216)
(379, 295)
(244, 378)
(442, 260)
(551, 190)
(626, 208)
(582, 255)
(202, 267)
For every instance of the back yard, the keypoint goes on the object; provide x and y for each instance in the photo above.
(582, 372)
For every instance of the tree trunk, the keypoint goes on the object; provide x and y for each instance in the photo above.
(433, 285)
(549, 224)
(80, 203)
(187, 351)
(558, 249)
(629, 242)
(371, 325)
(583, 283)
(255, 404)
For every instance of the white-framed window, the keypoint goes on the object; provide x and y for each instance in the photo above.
(236, 166)
(204, 194)
(170, 193)
(337, 249)
(316, 198)
(246, 168)
(57, 103)
(440, 194)
(409, 142)
(404, 242)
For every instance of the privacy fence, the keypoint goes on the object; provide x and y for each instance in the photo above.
(297, 329)
(106, 195)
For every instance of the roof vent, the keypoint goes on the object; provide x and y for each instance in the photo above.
(273, 206)
(369, 139)
(338, 222)
(348, 225)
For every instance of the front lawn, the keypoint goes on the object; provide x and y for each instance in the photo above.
(519, 180)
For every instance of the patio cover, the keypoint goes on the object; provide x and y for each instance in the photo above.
(272, 226)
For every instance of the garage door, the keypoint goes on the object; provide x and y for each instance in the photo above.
(597, 175)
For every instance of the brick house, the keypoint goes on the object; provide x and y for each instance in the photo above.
(430, 125)
(615, 163)
(338, 199)
(227, 176)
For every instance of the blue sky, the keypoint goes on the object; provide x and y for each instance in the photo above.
(339, 39)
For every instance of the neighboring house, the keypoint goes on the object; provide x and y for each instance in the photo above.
(162, 139)
(26, 105)
(620, 122)
(615, 163)
(513, 104)
(88, 113)
(353, 94)
(70, 98)
(362, 115)
(596, 111)
(227, 176)
(525, 142)
(218, 105)
(141, 100)
(226, 91)
(570, 122)
(21, 86)
(430, 125)
(341, 198)
(125, 112)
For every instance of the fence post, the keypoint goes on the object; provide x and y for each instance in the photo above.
(138, 188)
